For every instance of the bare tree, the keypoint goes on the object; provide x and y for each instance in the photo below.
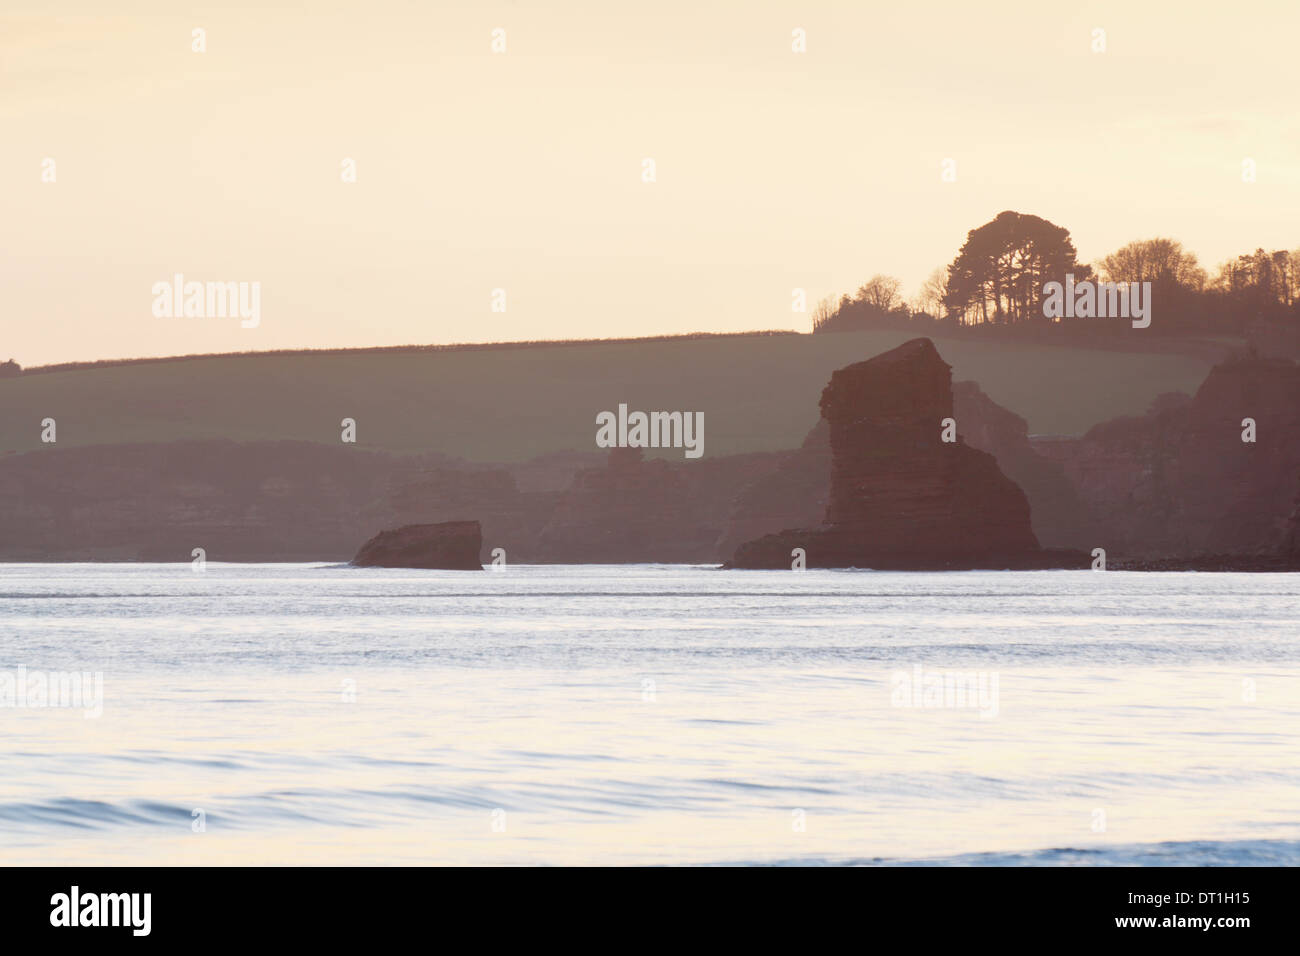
(880, 292)
(933, 291)
(823, 312)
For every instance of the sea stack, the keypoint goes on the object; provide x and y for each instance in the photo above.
(447, 546)
(901, 497)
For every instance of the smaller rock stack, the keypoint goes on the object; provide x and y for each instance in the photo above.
(448, 546)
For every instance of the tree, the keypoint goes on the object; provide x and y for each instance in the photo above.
(1154, 260)
(880, 293)
(999, 272)
(876, 304)
(933, 292)
(1260, 281)
(823, 312)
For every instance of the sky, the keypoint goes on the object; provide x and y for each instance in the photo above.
(524, 170)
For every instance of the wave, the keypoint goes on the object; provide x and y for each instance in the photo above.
(1173, 853)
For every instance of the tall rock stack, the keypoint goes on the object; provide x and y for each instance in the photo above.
(891, 476)
(900, 496)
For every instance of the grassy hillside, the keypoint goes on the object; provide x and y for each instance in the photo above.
(758, 393)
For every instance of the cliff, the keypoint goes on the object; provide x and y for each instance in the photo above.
(1059, 515)
(246, 501)
(634, 509)
(791, 495)
(309, 501)
(1180, 481)
(1176, 483)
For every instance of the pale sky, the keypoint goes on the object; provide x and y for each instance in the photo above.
(523, 170)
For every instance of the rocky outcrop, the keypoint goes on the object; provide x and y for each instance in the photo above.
(1060, 516)
(900, 496)
(448, 546)
(1180, 481)
(511, 519)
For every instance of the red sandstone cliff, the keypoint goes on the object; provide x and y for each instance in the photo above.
(1180, 482)
(1176, 483)
(1060, 516)
(636, 509)
(792, 495)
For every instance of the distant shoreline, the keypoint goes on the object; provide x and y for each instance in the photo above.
(1216, 564)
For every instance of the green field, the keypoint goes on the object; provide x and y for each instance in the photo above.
(758, 393)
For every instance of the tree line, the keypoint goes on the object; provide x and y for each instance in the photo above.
(998, 275)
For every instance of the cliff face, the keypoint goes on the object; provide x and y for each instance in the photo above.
(285, 501)
(792, 495)
(900, 496)
(306, 501)
(244, 501)
(635, 509)
(1060, 516)
(1291, 534)
(1176, 483)
(630, 506)
(1180, 481)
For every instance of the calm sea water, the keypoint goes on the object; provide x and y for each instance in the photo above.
(651, 714)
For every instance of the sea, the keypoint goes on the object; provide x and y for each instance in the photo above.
(250, 714)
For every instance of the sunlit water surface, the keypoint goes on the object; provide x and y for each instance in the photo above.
(650, 714)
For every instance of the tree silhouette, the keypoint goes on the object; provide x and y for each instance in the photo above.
(999, 272)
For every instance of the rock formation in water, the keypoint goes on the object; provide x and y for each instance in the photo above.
(1174, 485)
(795, 494)
(447, 546)
(900, 496)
